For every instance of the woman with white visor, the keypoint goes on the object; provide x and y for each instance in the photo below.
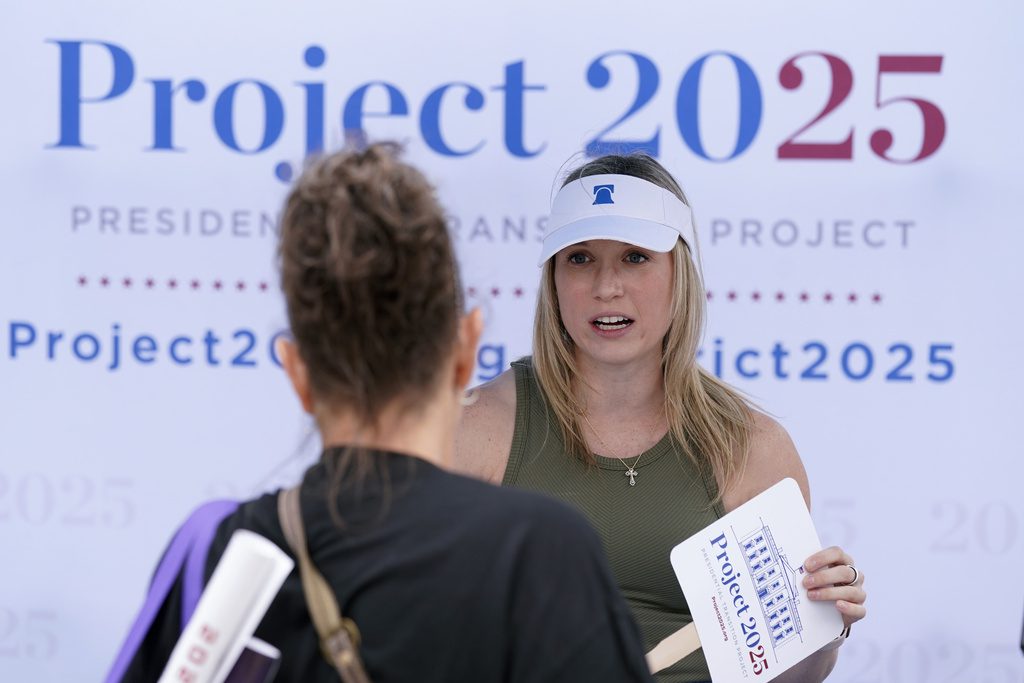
(613, 414)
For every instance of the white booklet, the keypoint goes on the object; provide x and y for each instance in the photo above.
(244, 583)
(743, 580)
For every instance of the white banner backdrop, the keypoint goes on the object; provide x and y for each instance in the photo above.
(855, 177)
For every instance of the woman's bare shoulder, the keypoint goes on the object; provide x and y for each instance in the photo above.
(772, 458)
(484, 436)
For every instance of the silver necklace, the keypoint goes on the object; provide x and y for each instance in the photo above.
(630, 470)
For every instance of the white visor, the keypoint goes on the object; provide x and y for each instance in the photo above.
(616, 207)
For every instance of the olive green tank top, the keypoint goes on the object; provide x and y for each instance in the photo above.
(639, 525)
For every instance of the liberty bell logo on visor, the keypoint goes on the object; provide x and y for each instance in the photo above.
(603, 194)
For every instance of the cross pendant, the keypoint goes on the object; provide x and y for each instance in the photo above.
(631, 473)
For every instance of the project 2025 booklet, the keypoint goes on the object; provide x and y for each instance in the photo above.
(245, 581)
(743, 580)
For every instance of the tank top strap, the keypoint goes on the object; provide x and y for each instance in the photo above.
(534, 433)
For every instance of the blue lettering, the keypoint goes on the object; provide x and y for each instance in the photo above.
(599, 76)
(77, 343)
(177, 341)
(242, 359)
(274, 358)
(730, 577)
(144, 349)
(688, 106)
(71, 99)
(515, 88)
(353, 114)
(211, 340)
(741, 368)
(779, 353)
(51, 344)
(115, 350)
(224, 116)
(491, 360)
(869, 361)
(718, 361)
(314, 58)
(430, 116)
(17, 341)
(163, 117)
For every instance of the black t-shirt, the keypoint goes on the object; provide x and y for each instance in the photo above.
(449, 579)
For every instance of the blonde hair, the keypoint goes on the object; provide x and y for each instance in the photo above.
(711, 420)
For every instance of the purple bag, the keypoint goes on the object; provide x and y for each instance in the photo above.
(187, 552)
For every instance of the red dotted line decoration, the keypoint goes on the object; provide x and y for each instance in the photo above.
(732, 295)
(495, 292)
(803, 296)
(518, 292)
(172, 284)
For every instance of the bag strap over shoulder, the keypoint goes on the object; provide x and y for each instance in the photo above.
(186, 558)
(339, 636)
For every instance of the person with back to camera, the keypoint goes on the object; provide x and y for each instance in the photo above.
(448, 579)
(613, 413)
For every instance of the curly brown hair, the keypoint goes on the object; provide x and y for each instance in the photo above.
(370, 280)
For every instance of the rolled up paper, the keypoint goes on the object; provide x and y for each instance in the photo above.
(243, 585)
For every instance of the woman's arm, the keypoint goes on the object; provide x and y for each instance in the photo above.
(773, 457)
(484, 435)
